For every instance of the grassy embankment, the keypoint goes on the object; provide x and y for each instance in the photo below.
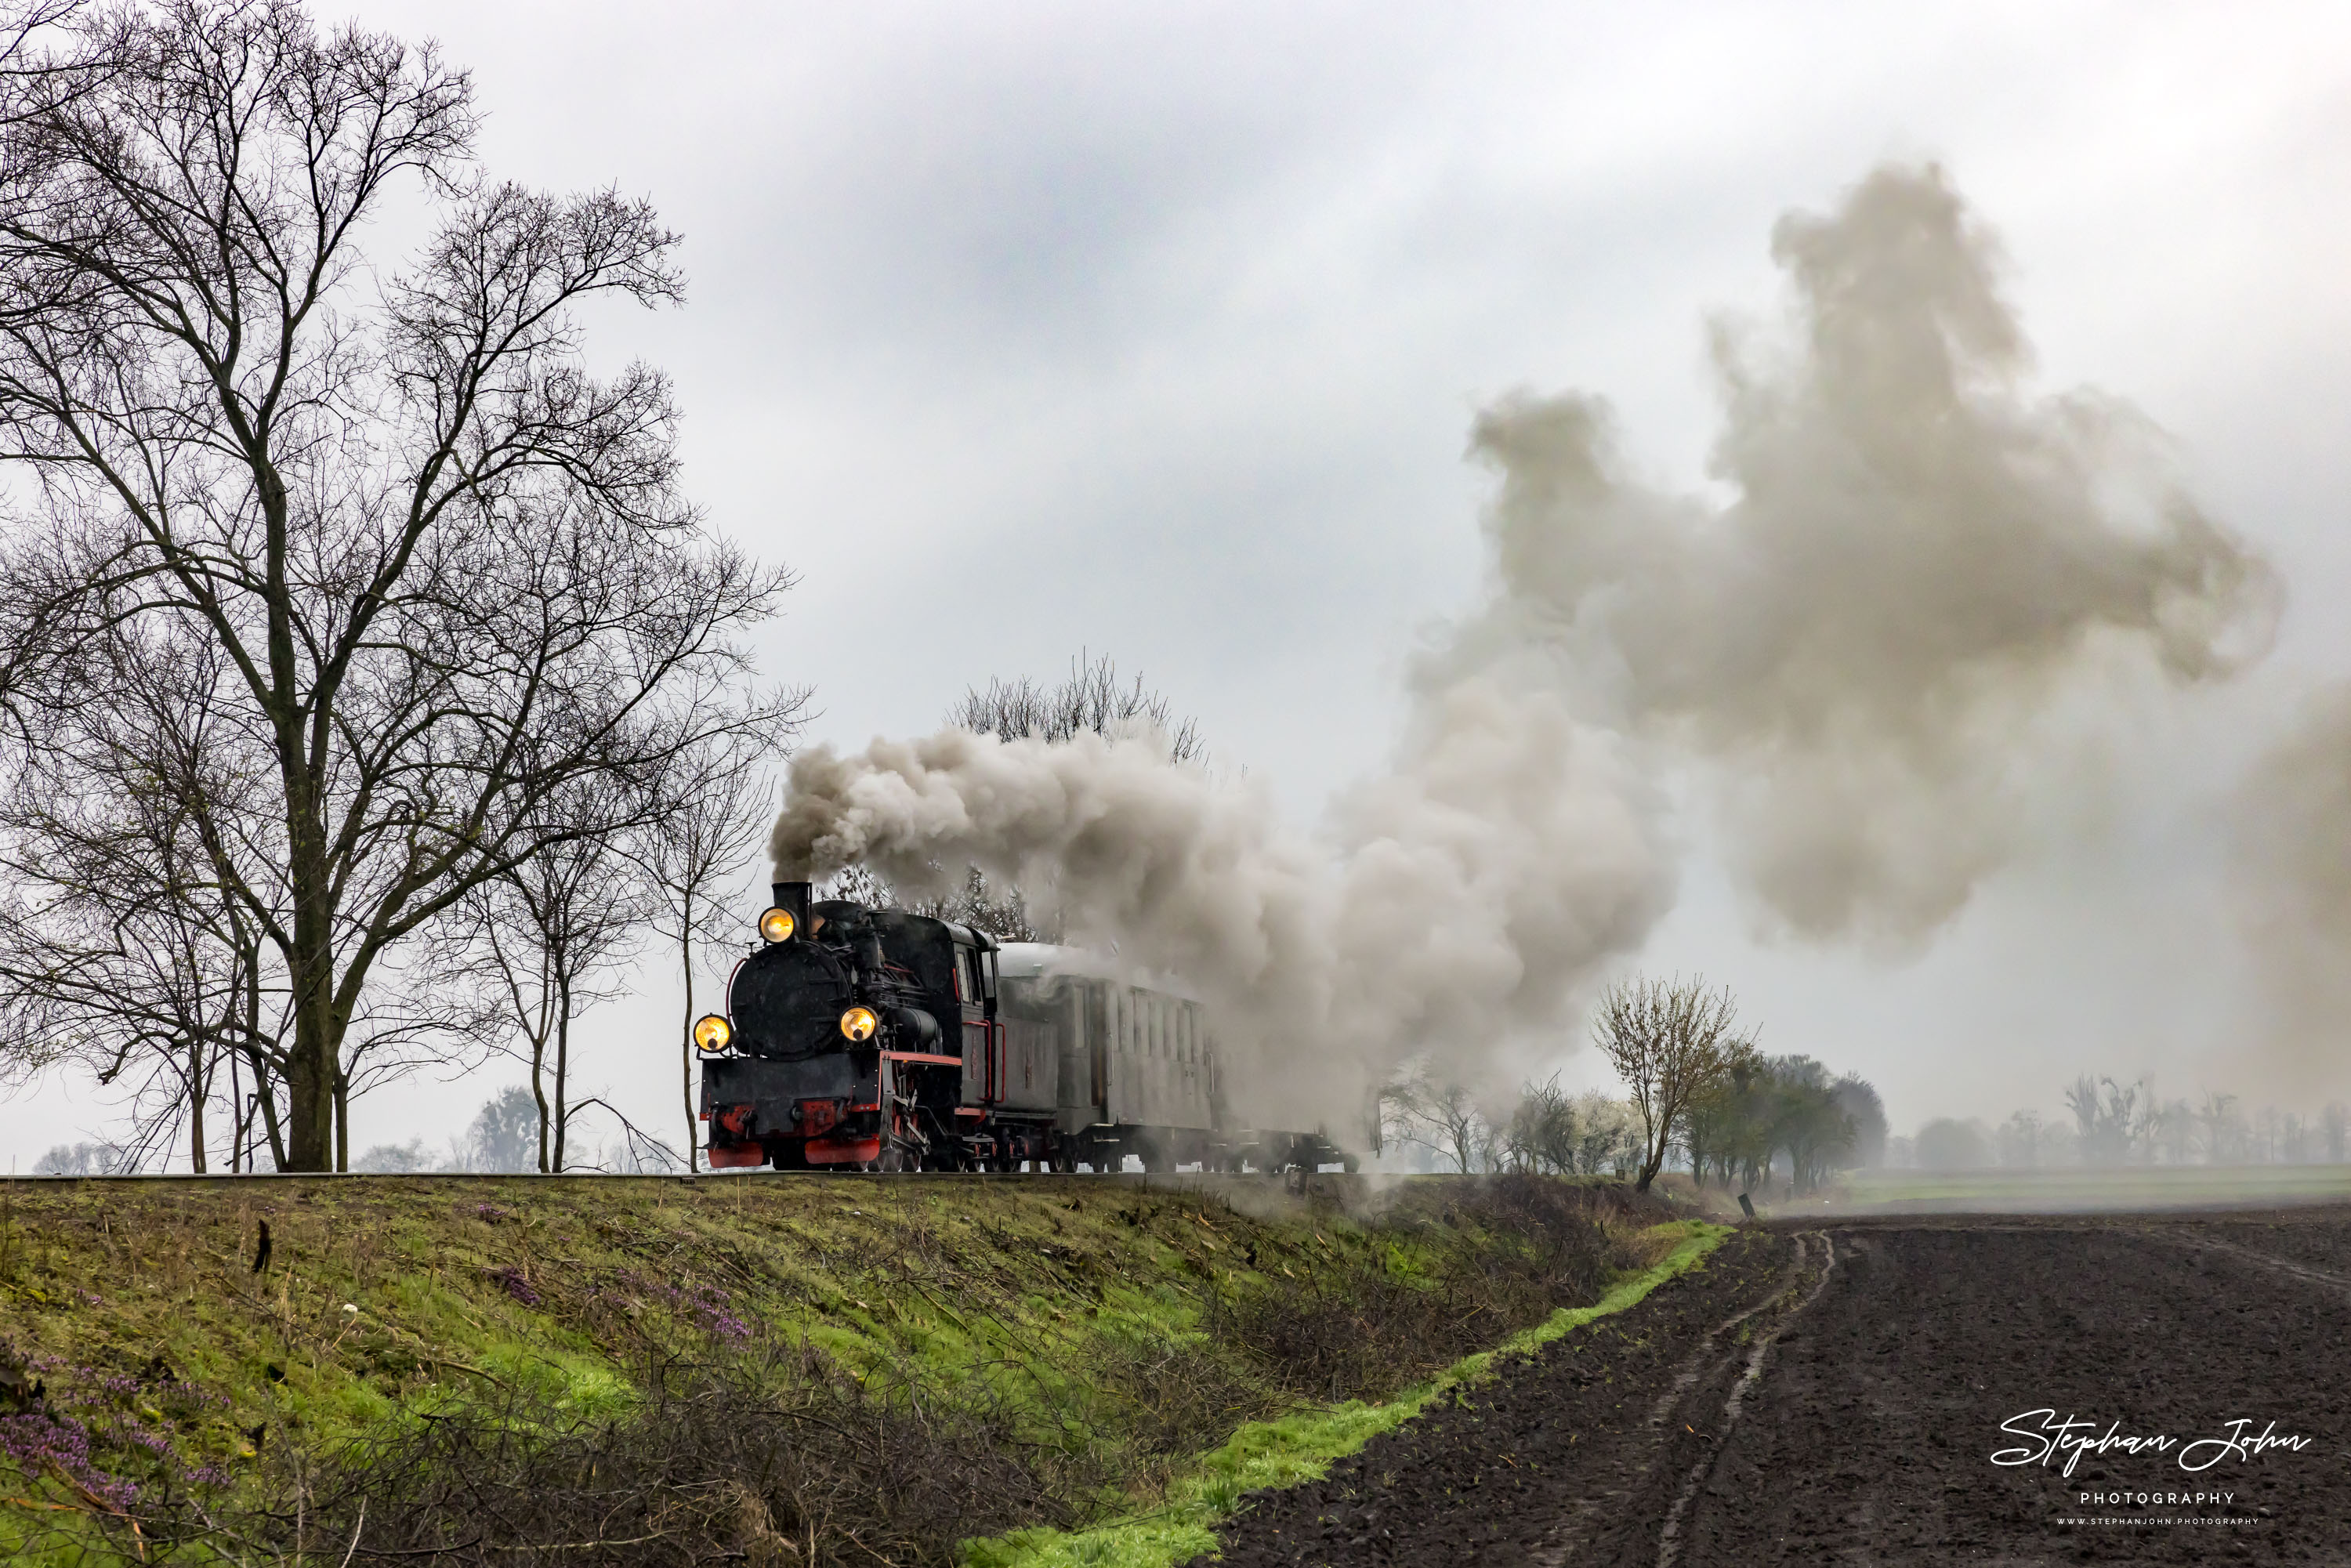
(779, 1370)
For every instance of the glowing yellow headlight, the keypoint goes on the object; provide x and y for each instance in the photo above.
(778, 926)
(858, 1024)
(712, 1033)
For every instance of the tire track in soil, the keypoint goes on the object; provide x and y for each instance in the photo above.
(1853, 1381)
(1597, 1430)
(1670, 1536)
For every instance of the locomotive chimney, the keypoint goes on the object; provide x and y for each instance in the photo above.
(792, 897)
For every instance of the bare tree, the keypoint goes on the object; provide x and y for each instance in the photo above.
(977, 904)
(2222, 1127)
(552, 934)
(1670, 1042)
(1605, 1136)
(2172, 1129)
(437, 572)
(1092, 699)
(1443, 1118)
(85, 1159)
(2111, 1123)
(1542, 1135)
(2021, 1141)
(705, 833)
(120, 949)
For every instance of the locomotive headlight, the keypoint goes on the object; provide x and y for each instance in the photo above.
(778, 926)
(713, 1033)
(858, 1025)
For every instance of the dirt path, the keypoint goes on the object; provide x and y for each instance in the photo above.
(1834, 1396)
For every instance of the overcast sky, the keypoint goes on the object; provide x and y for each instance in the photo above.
(1019, 329)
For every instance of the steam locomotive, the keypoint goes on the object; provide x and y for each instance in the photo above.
(863, 1039)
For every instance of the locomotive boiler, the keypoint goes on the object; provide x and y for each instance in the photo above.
(864, 1039)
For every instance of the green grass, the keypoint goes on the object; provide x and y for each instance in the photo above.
(1302, 1447)
(387, 1298)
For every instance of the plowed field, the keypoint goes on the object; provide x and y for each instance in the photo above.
(1838, 1394)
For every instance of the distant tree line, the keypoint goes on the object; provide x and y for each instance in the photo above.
(1699, 1092)
(505, 1135)
(2111, 1123)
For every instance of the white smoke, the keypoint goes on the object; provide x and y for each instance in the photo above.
(1918, 559)
(2292, 884)
(1472, 890)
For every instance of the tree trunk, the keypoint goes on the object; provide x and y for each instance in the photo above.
(562, 1067)
(236, 1118)
(311, 1073)
(537, 1029)
(267, 1099)
(685, 1045)
(196, 1105)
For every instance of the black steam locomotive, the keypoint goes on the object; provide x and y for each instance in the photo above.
(860, 1039)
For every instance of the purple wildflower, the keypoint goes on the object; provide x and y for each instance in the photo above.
(516, 1286)
(42, 1442)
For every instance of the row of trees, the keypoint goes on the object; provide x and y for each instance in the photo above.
(1702, 1086)
(364, 673)
(1698, 1090)
(2111, 1123)
(1783, 1111)
(1544, 1128)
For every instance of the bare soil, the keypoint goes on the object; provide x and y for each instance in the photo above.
(1835, 1395)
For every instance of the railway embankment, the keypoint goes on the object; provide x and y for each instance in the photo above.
(766, 1369)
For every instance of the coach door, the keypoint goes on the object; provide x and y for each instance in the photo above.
(983, 1037)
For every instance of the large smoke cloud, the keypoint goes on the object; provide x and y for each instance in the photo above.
(1918, 559)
